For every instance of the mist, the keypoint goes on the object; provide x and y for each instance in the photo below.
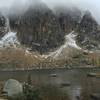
(92, 5)
(8, 6)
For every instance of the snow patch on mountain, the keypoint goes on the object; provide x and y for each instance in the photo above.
(65, 48)
(10, 39)
(70, 40)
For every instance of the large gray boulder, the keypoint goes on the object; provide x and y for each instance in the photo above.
(13, 87)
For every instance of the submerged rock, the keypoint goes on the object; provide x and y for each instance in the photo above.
(65, 84)
(91, 74)
(53, 75)
(12, 87)
(95, 96)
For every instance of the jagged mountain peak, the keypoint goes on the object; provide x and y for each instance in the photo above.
(40, 27)
(87, 32)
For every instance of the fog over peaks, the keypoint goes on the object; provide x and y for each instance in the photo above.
(7, 6)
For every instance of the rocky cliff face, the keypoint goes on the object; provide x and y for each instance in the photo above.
(82, 22)
(88, 36)
(68, 17)
(43, 30)
(3, 25)
(38, 28)
(65, 32)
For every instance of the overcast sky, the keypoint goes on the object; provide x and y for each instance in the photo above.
(92, 5)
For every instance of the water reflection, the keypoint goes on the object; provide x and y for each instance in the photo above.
(80, 88)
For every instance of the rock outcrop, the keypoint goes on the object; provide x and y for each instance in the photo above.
(88, 36)
(4, 25)
(68, 17)
(38, 28)
(43, 29)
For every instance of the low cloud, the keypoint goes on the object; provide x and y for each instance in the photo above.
(91, 5)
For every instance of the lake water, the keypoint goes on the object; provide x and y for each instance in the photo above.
(76, 77)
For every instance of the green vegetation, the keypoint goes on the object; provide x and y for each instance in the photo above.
(42, 92)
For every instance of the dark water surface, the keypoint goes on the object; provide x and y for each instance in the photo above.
(76, 77)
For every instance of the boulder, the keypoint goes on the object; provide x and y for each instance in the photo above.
(95, 96)
(12, 87)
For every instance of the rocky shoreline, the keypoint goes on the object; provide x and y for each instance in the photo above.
(48, 68)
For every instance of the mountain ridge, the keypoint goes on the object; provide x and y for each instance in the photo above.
(64, 36)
